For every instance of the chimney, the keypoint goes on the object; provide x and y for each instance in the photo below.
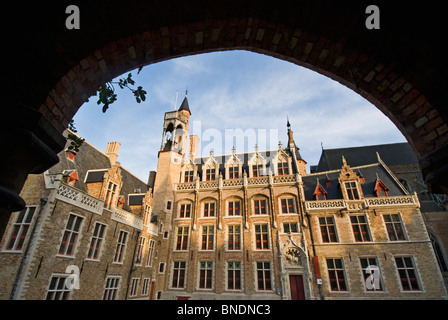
(194, 143)
(112, 151)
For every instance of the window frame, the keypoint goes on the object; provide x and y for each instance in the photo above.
(70, 237)
(261, 237)
(338, 274)
(234, 275)
(115, 282)
(405, 269)
(290, 202)
(20, 230)
(363, 229)
(327, 231)
(392, 224)
(96, 241)
(354, 193)
(182, 238)
(207, 238)
(205, 275)
(120, 248)
(264, 276)
(233, 241)
(178, 275)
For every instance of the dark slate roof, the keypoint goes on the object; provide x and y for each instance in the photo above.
(184, 105)
(391, 154)
(370, 173)
(244, 157)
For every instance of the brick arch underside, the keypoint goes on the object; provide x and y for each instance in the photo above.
(377, 80)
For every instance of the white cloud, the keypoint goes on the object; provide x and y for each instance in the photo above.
(231, 90)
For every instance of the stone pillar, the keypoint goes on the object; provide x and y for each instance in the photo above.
(29, 144)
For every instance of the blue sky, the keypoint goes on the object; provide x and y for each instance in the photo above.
(235, 91)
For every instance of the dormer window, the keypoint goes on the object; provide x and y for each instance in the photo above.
(282, 168)
(380, 188)
(120, 203)
(233, 173)
(210, 174)
(351, 188)
(72, 178)
(257, 170)
(189, 176)
(320, 193)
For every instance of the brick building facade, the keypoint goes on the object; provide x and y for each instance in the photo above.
(252, 225)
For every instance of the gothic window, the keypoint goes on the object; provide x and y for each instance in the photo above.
(351, 188)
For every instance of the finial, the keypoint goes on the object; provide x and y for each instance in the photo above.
(287, 123)
(256, 148)
(233, 150)
(280, 145)
(186, 91)
(344, 162)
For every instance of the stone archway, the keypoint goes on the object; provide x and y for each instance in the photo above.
(50, 70)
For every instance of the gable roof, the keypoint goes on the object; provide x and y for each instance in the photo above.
(370, 173)
(391, 154)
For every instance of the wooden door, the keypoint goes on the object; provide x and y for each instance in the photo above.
(296, 285)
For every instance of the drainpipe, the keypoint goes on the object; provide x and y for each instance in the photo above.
(131, 269)
(12, 296)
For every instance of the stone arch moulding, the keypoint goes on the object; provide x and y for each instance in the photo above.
(399, 70)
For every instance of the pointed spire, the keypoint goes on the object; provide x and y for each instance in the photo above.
(287, 123)
(344, 162)
(184, 105)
